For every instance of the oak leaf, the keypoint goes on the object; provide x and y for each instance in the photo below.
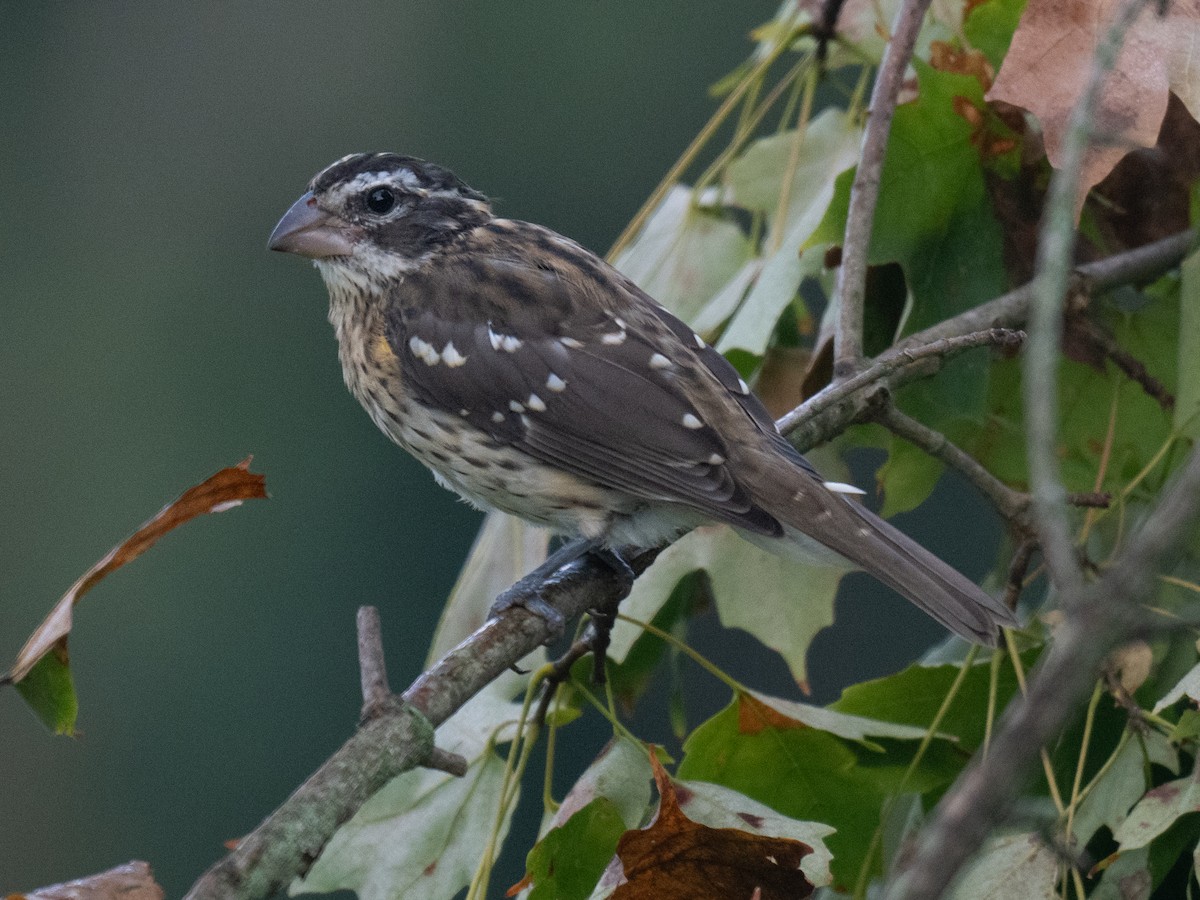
(1051, 58)
(676, 857)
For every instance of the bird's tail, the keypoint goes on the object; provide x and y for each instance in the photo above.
(863, 538)
(930, 583)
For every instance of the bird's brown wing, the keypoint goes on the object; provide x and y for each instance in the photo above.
(566, 365)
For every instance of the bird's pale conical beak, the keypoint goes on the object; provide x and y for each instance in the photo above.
(307, 230)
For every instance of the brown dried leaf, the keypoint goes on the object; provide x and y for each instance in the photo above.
(675, 858)
(1050, 60)
(224, 490)
(132, 881)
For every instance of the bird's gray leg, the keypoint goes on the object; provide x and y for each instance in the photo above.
(527, 592)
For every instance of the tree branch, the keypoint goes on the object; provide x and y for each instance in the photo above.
(1012, 505)
(1097, 616)
(398, 736)
(864, 193)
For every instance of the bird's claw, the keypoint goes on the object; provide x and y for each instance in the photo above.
(528, 596)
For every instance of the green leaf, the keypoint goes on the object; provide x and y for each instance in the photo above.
(990, 27)
(1012, 865)
(841, 724)
(1187, 400)
(781, 602)
(907, 477)
(1150, 335)
(49, 690)
(569, 860)
(632, 674)
(752, 325)
(422, 834)
(809, 774)
(1109, 801)
(684, 255)
(914, 695)
(1126, 878)
(1157, 811)
(828, 145)
(1188, 686)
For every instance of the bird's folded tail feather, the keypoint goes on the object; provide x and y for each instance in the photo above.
(931, 584)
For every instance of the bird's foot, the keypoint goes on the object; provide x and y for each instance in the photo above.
(528, 592)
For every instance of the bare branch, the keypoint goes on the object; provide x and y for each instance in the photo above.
(827, 413)
(1011, 310)
(1012, 505)
(860, 218)
(371, 665)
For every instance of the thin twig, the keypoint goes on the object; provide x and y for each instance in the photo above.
(1133, 367)
(372, 668)
(1011, 310)
(1011, 504)
(818, 418)
(1016, 572)
(860, 217)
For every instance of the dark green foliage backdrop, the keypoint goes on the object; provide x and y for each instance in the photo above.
(149, 339)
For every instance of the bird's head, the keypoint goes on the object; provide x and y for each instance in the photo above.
(377, 215)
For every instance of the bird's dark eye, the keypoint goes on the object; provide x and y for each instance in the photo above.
(380, 200)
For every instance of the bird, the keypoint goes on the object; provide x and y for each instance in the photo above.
(534, 378)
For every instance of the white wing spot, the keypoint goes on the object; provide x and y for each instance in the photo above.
(742, 386)
(700, 345)
(464, 412)
(614, 339)
(571, 342)
(505, 342)
(690, 421)
(839, 487)
(497, 417)
(620, 322)
(536, 403)
(451, 356)
(515, 406)
(658, 361)
(716, 460)
(556, 384)
(424, 350)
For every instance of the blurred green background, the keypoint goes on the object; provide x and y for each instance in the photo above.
(149, 339)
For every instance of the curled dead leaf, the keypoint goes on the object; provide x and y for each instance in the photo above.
(676, 857)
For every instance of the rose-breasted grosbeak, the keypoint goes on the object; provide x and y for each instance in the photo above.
(534, 378)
